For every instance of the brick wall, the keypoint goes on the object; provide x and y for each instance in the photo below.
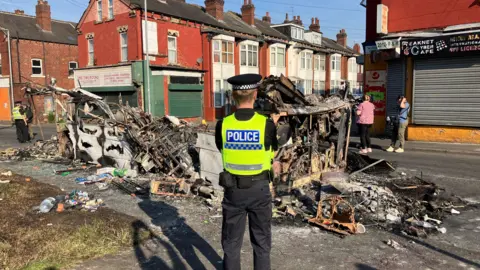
(55, 64)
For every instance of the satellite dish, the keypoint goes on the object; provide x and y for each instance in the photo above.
(200, 60)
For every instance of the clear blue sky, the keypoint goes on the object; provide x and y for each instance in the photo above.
(333, 14)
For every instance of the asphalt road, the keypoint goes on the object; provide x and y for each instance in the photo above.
(8, 137)
(458, 173)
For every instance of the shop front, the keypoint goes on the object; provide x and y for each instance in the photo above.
(113, 83)
(445, 90)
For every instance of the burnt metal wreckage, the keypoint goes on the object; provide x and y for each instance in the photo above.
(313, 134)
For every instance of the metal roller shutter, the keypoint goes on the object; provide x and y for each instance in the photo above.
(395, 85)
(447, 92)
(185, 103)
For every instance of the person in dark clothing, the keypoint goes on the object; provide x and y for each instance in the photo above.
(20, 122)
(247, 141)
(29, 116)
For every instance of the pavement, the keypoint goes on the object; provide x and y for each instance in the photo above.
(418, 146)
(8, 137)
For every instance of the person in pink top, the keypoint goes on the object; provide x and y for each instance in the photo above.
(365, 112)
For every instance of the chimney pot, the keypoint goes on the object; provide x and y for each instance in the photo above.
(314, 26)
(342, 38)
(19, 11)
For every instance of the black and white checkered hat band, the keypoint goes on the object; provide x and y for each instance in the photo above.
(245, 86)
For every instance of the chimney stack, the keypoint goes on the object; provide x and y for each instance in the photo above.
(357, 48)
(315, 26)
(19, 11)
(342, 38)
(267, 18)
(44, 18)
(286, 18)
(248, 12)
(215, 8)
(297, 20)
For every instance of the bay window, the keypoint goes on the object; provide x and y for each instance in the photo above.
(222, 52)
(249, 55)
(336, 62)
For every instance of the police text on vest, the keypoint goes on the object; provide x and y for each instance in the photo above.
(243, 136)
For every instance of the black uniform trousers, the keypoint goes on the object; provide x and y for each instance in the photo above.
(256, 203)
(22, 131)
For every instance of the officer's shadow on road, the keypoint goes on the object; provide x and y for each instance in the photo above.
(176, 245)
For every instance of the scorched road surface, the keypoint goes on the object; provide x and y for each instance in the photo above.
(460, 174)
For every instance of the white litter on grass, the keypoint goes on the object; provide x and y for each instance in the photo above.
(442, 230)
(9, 173)
(4, 181)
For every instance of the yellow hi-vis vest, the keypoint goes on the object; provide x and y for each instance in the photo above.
(16, 113)
(243, 150)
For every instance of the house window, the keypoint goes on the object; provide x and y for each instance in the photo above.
(249, 55)
(227, 52)
(317, 62)
(303, 60)
(71, 67)
(352, 65)
(124, 47)
(319, 88)
(99, 10)
(273, 56)
(218, 95)
(37, 67)
(281, 57)
(322, 62)
(172, 50)
(309, 61)
(334, 86)
(277, 56)
(308, 87)
(216, 51)
(110, 9)
(91, 53)
(301, 86)
(336, 62)
(222, 52)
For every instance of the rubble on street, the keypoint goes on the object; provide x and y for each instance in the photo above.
(322, 183)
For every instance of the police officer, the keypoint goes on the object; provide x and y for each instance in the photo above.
(20, 122)
(247, 141)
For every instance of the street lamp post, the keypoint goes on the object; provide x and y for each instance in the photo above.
(147, 60)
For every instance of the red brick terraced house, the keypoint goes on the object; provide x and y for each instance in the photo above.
(42, 49)
(192, 51)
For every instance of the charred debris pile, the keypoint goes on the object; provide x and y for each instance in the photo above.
(322, 183)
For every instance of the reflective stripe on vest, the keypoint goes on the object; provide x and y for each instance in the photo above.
(16, 114)
(243, 143)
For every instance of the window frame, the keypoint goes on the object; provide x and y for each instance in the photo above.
(273, 56)
(316, 62)
(99, 11)
(110, 10)
(70, 69)
(123, 58)
(303, 58)
(284, 53)
(170, 49)
(91, 52)
(309, 57)
(323, 62)
(250, 53)
(221, 53)
(336, 62)
(37, 66)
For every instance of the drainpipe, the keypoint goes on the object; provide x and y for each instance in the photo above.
(10, 67)
(147, 56)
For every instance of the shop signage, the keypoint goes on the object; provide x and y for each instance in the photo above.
(387, 44)
(382, 19)
(462, 44)
(104, 77)
(376, 87)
